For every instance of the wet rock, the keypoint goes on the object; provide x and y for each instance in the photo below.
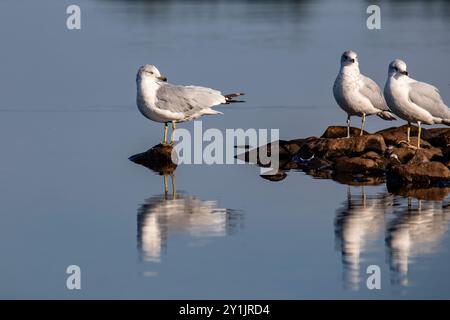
(394, 135)
(440, 137)
(281, 175)
(431, 173)
(158, 158)
(404, 154)
(286, 149)
(315, 164)
(370, 163)
(334, 132)
(362, 160)
(335, 148)
(293, 146)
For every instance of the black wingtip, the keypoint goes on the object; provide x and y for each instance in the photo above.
(229, 98)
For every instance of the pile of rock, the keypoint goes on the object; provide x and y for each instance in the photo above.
(371, 156)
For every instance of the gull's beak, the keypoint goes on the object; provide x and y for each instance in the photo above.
(353, 60)
(162, 78)
(405, 73)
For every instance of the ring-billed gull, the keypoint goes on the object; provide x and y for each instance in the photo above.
(163, 102)
(412, 100)
(357, 94)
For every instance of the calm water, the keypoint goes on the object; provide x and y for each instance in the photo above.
(68, 124)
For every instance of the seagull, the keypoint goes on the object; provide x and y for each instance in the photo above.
(357, 94)
(412, 100)
(163, 102)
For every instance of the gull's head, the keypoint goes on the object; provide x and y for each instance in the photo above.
(349, 58)
(398, 68)
(149, 71)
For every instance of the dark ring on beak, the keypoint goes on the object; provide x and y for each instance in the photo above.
(405, 73)
(353, 60)
(162, 78)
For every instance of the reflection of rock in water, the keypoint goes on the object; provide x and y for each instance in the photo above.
(415, 232)
(167, 214)
(358, 222)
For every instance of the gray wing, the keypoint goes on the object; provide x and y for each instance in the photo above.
(187, 99)
(427, 97)
(372, 91)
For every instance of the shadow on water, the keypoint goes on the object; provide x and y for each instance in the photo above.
(162, 216)
(410, 232)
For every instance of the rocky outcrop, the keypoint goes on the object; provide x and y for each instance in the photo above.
(157, 158)
(370, 157)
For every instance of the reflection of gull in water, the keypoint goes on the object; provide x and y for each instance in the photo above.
(357, 223)
(160, 216)
(415, 232)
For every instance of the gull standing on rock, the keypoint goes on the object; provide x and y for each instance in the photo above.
(357, 94)
(412, 100)
(160, 101)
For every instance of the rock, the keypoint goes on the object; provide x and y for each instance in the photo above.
(404, 153)
(293, 146)
(158, 158)
(395, 134)
(281, 175)
(431, 173)
(371, 163)
(333, 132)
(334, 148)
(440, 137)
(315, 164)
(286, 149)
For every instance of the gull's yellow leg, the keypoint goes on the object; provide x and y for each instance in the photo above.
(408, 131)
(165, 133)
(363, 121)
(418, 136)
(348, 126)
(174, 127)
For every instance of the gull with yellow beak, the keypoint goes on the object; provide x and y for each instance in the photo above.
(412, 100)
(163, 102)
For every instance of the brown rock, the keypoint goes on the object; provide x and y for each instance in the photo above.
(425, 155)
(158, 158)
(394, 135)
(440, 137)
(423, 174)
(293, 146)
(334, 148)
(371, 164)
(333, 132)
(404, 154)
